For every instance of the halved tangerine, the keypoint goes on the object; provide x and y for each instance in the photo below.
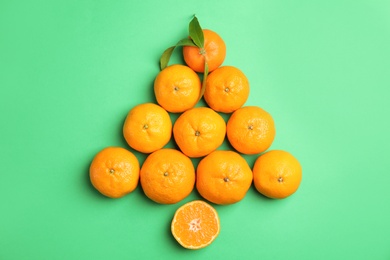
(195, 225)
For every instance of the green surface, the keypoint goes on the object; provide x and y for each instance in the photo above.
(71, 70)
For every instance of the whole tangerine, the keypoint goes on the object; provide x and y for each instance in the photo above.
(114, 172)
(177, 88)
(199, 131)
(167, 176)
(214, 52)
(277, 174)
(147, 127)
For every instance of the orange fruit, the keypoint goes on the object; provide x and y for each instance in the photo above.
(223, 177)
(167, 176)
(199, 131)
(250, 130)
(214, 51)
(177, 88)
(227, 89)
(147, 128)
(195, 225)
(277, 174)
(114, 172)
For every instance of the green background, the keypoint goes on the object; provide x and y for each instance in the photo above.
(71, 70)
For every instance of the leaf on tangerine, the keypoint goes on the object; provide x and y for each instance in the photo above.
(196, 32)
(185, 42)
(166, 56)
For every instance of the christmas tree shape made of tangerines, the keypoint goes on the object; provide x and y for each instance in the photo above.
(223, 177)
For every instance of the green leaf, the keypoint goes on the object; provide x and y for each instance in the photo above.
(205, 74)
(165, 57)
(196, 40)
(196, 32)
(185, 42)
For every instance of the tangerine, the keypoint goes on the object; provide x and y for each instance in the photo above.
(250, 130)
(214, 52)
(195, 225)
(177, 88)
(199, 131)
(114, 172)
(167, 176)
(277, 174)
(223, 177)
(227, 89)
(147, 128)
